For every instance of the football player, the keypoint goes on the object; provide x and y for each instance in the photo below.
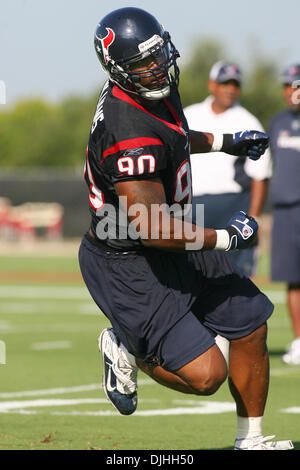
(163, 282)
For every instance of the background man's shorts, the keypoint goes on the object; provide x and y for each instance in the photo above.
(285, 260)
(218, 210)
(168, 307)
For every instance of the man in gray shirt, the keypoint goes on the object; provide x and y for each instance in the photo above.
(285, 195)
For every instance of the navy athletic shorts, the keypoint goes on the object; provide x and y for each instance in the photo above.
(285, 259)
(168, 307)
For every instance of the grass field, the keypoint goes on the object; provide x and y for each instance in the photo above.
(50, 388)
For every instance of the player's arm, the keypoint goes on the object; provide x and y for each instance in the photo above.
(145, 199)
(147, 210)
(250, 144)
(201, 142)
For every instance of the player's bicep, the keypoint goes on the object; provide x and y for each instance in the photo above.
(148, 191)
(200, 142)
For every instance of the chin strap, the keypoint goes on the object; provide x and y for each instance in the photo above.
(156, 94)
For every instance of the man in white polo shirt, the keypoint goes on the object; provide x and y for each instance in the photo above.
(224, 184)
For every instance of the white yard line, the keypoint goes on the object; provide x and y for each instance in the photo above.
(6, 406)
(49, 345)
(204, 407)
(292, 409)
(29, 406)
(63, 390)
(11, 405)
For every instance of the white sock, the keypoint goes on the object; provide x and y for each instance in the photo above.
(249, 427)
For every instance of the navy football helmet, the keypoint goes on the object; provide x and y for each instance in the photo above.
(127, 39)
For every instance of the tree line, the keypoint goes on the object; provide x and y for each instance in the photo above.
(36, 133)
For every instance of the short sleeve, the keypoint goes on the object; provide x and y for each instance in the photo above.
(138, 158)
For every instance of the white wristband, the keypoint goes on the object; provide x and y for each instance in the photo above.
(223, 240)
(217, 143)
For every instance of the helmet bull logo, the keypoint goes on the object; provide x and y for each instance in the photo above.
(107, 41)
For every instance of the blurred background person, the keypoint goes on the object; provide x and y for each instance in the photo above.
(285, 196)
(223, 184)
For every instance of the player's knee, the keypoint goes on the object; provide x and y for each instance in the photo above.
(209, 384)
(210, 378)
(206, 373)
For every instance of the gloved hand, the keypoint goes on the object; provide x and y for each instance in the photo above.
(246, 143)
(242, 230)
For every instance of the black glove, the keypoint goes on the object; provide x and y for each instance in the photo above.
(242, 230)
(252, 144)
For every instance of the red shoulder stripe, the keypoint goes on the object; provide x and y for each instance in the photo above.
(131, 144)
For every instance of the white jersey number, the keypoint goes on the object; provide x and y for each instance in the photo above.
(183, 183)
(96, 196)
(128, 164)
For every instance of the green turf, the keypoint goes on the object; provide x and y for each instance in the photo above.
(39, 263)
(34, 317)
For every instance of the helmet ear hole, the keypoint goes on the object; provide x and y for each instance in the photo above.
(126, 37)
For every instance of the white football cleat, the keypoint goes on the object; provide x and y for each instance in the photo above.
(292, 356)
(119, 373)
(261, 443)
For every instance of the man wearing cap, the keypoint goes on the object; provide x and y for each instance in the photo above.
(223, 184)
(285, 196)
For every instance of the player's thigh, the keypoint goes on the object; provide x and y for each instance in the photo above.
(185, 341)
(189, 351)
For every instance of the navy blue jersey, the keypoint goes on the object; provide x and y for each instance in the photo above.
(129, 142)
(285, 145)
